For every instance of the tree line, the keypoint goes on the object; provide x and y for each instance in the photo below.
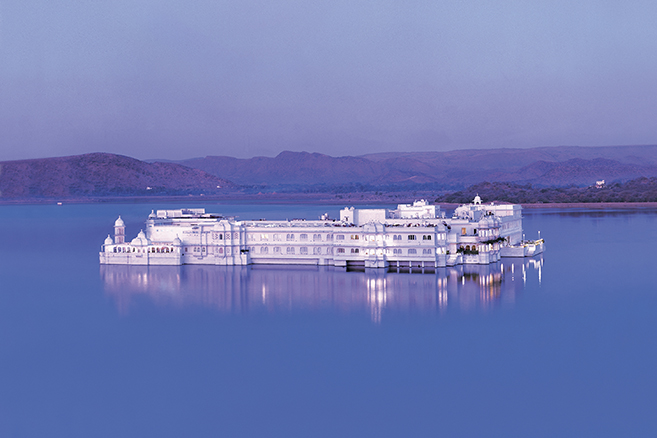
(637, 190)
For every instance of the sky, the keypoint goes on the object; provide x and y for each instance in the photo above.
(177, 79)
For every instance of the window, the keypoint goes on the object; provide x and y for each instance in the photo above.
(264, 250)
(340, 237)
(340, 250)
(317, 237)
(426, 237)
(463, 232)
(396, 251)
(426, 251)
(303, 250)
(354, 237)
(354, 250)
(264, 237)
(290, 250)
(317, 250)
(303, 237)
(277, 250)
(277, 237)
(411, 237)
(289, 237)
(412, 251)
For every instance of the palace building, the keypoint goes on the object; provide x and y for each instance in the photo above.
(414, 235)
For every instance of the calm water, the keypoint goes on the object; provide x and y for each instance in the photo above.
(563, 345)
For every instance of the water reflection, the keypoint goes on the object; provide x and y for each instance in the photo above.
(243, 289)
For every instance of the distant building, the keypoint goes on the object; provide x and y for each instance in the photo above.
(414, 235)
(600, 184)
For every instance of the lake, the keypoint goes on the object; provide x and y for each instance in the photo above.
(563, 344)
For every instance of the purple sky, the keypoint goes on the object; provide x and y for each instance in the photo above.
(179, 79)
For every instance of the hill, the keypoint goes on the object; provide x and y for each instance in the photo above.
(101, 174)
(548, 166)
(636, 190)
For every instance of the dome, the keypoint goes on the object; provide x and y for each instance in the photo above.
(140, 240)
(177, 241)
(109, 240)
(119, 222)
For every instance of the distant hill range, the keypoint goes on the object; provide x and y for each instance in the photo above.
(101, 175)
(545, 166)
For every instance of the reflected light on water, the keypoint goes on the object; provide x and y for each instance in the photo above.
(271, 289)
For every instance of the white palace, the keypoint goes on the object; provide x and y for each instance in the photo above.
(414, 235)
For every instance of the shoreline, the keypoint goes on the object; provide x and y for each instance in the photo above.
(280, 198)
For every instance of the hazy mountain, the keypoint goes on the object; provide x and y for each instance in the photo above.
(561, 165)
(100, 174)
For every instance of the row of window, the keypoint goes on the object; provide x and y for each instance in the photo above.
(291, 250)
(222, 236)
(318, 237)
(319, 250)
(125, 249)
(411, 237)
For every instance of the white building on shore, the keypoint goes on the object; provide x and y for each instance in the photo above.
(414, 235)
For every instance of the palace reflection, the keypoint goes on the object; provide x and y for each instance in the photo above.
(244, 289)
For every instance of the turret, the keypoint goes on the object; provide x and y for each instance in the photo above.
(119, 231)
(108, 242)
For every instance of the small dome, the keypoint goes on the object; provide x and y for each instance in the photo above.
(119, 222)
(109, 240)
(140, 240)
(177, 241)
(477, 200)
